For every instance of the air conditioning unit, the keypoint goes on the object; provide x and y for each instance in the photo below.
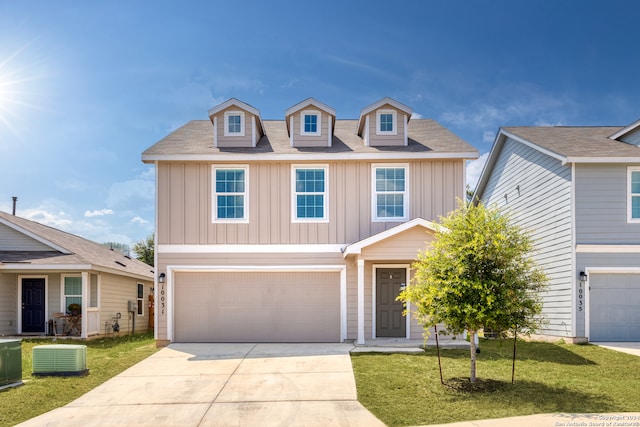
(60, 360)
(10, 363)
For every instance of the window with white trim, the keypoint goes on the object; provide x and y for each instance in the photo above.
(309, 193)
(140, 299)
(386, 122)
(234, 123)
(633, 190)
(310, 122)
(390, 192)
(230, 193)
(71, 292)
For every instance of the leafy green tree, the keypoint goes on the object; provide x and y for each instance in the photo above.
(144, 250)
(477, 274)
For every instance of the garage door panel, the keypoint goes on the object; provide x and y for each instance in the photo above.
(257, 307)
(614, 307)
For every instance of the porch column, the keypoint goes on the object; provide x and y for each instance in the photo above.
(360, 302)
(85, 303)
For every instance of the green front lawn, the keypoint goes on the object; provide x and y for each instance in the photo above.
(405, 389)
(105, 359)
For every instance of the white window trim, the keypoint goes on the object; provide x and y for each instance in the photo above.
(140, 301)
(294, 204)
(227, 114)
(374, 201)
(316, 113)
(63, 296)
(214, 202)
(394, 115)
(630, 219)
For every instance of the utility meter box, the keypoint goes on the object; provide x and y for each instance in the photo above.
(10, 363)
(132, 306)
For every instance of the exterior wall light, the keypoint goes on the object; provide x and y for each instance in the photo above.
(162, 276)
(583, 277)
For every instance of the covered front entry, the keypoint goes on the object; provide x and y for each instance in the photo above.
(33, 304)
(390, 318)
(257, 306)
(614, 307)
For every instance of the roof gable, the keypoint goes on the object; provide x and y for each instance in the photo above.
(26, 240)
(356, 248)
(306, 103)
(629, 134)
(384, 101)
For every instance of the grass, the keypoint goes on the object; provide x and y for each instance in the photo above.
(106, 358)
(405, 389)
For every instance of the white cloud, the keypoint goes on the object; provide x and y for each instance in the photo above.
(139, 220)
(57, 219)
(101, 212)
(415, 115)
(474, 169)
(489, 136)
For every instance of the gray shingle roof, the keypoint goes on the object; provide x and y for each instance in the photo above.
(577, 141)
(83, 251)
(196, 138)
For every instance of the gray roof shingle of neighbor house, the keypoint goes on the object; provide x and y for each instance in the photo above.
(426, 137)
(577, 141)
(75, 250)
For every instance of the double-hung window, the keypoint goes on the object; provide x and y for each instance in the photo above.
(633, 190)
(140, 299)
(310, 122)
(234, 123)
(309, 193)
(71, 291)
(386, 122)
(390, 196)
(230, 193)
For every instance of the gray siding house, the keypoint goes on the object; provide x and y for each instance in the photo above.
(577, 190)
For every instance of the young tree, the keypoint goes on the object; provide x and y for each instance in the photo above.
(144, 250)
(477, 274)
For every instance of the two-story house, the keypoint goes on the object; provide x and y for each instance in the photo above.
(577, 191)
(297, 230)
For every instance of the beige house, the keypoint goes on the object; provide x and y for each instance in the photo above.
(43, 271)
(297, 230)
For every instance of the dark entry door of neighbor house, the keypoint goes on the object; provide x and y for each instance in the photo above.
(390, 319)
(33, 305)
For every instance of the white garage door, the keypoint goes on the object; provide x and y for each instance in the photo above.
(614, 302)
(257, 307)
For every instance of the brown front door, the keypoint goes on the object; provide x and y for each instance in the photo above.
(390, 319)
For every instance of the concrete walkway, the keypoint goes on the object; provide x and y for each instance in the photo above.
(225, 385)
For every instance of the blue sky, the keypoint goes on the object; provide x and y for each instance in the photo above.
(85, 87)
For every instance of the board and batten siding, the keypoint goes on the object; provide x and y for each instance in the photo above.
(321, 140)
(535, 190)
(13, 240)
(601, 205)
(185, 203)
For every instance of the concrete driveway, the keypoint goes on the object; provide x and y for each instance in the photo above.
(225, 385)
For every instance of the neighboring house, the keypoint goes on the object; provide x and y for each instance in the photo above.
(44, 270)
(297, 230)
(577, 190)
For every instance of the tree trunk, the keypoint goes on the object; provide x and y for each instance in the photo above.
(472, 342)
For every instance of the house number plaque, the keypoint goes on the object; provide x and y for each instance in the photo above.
(580, 296)
(162, 299)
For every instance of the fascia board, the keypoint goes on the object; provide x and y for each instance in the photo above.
(310, 101)
(577, 159)
(252, 157)
(626, 130)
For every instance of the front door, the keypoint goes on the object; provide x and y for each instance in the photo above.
(33, 305)
(390, 318)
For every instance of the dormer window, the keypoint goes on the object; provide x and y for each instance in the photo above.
(234, 123)
(310, 122)
(386, 122)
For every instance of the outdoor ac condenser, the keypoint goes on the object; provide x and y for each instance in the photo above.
(60, 360)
